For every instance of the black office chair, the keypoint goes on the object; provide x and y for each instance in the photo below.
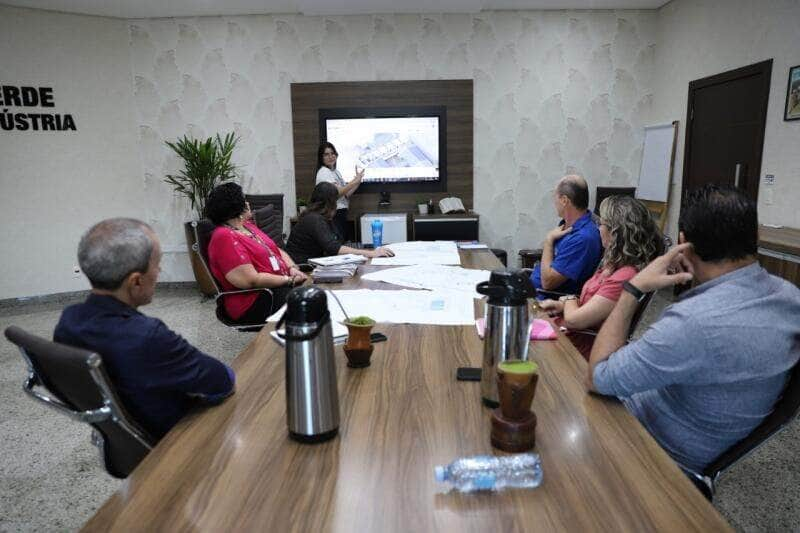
(257, 201)
(601, 193)
(202, 236)
(786, 408)
(501, 255)
(81, 390)
(269, 219)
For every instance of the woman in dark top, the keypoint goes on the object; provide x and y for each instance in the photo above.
(241, 256)
(314, 234)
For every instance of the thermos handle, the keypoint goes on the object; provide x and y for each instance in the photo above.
(307, 336)
(489, 290)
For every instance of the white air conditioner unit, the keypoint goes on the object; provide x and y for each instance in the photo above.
(394, 227)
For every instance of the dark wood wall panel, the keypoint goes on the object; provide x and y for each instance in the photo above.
(456, 95)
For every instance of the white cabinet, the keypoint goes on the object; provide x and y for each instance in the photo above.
(394, 227)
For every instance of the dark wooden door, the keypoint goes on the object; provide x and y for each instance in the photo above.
(725, 135)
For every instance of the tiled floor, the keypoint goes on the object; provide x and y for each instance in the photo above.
(51, 478)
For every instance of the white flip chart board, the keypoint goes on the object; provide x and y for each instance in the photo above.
(656, 171)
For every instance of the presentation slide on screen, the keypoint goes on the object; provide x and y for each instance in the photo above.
(388, 149)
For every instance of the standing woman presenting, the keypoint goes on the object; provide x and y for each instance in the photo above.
(326, 171)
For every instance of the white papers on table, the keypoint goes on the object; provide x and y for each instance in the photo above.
(432, 277)
(443, 308)
(337, 260)
(421, 253)
(472, 246)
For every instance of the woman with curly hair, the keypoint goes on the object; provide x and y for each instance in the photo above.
(241, 256)
(630, 240)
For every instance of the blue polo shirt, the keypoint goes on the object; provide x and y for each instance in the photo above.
(157, 374)
(576, 256)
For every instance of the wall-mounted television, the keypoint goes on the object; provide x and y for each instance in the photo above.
(401, 149)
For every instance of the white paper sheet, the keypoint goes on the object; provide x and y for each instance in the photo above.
(432, 277)
(333, 260)
(421, 253)
(443, 308)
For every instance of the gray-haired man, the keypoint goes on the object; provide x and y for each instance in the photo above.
(158, 374)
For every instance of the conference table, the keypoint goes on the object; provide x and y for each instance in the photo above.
(233, 467)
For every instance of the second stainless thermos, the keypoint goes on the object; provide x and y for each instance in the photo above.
(507, 324)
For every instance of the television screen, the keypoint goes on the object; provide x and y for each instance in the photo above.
(389, 149)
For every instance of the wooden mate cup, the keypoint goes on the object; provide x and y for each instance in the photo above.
(513, 423)
(358, 347)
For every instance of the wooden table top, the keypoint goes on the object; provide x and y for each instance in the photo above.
(233, 468)
(786, 240)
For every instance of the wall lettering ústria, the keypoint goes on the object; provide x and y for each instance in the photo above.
(24, 96)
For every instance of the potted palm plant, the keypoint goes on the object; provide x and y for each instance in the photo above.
(206, 165)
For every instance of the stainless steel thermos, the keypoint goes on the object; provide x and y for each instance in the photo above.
(508, 326)
(312, 396)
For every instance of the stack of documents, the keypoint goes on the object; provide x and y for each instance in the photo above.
(336, 260)
(334, 272)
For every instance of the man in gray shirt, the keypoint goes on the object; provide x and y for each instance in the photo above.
(712, 367)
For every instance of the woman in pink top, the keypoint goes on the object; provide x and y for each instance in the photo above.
(241, 256)
(631, 240)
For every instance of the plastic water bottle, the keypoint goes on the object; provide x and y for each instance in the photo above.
(486, 472)
(377, 233)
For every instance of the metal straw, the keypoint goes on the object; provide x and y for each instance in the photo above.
(340, 304)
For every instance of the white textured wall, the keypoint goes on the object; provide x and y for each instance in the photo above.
(555, 92)
(54, 185)
(699, 38)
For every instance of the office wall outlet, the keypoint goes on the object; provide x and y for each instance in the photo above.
(76, 271)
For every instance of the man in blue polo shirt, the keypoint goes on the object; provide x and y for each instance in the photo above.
(158, 375)
(570, 252)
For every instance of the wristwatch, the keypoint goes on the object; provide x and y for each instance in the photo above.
(634, 291)
(568, 297)
(290, 281)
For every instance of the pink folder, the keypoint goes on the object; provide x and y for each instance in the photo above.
(541, 330)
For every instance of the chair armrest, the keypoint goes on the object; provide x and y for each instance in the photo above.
(91, 416)
(244, 291)
(584, 332)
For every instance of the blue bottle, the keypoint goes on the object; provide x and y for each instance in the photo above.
(377, 233)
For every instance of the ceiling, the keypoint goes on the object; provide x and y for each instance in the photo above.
(193, 8)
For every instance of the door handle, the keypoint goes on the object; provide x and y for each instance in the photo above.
(741, 169)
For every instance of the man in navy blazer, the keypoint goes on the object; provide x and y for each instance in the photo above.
(158, 375)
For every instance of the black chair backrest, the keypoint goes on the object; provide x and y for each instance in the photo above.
(601, 193)
(257, 201)
(270, 221)
(786, 408)
(203, 230)
(66, 372)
